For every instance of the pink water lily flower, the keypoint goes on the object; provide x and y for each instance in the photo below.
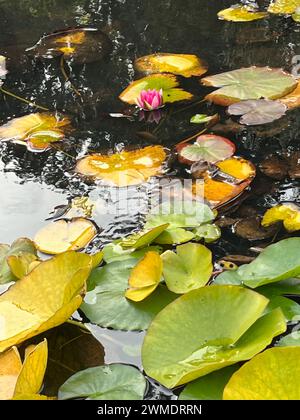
(150, 100)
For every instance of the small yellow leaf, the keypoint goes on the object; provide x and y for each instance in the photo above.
(241, 14)
(63, 235)
(30, 379)
(125, 168)
(292, 100)
(10, 367)
(21, 265)
(44, 299)
(239, 168)
(71, 38)
(289, 214)
(145, 277)
(181, 64)
(284, 6)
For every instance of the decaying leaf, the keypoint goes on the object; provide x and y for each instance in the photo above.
(257, 112)
(167, 82)
(65, 235)
(145, 277)
(288, 213)
(180, 64)
(80, 45)
(43, 299)
(241, 14)
(249, 83)
(292, 100)
(36, 131)
(125, 168)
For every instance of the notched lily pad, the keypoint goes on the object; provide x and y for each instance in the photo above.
(186, 65)
(257, 112)
(80, 45)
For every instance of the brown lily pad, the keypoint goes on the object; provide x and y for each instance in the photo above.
(252, 229)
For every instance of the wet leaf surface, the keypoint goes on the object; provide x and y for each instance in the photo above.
(241, 14)
(257, 112)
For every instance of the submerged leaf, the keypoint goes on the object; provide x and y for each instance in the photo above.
(109, 383)
(287, 213)
(256, 112)
(208, 148)
(167, 82)
(125, 168)
(37, 131)
(107, 305)
(189, 269)
(80, 45)
(43, 299)
(180, 64)
(145, 277)
(241, 14)
(272, 375)
(63, 235)
(249, 83)
(206, 330)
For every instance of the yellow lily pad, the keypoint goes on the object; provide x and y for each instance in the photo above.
(241, 14)
(239, 168)
(145, 277)
(30, 379)
(21, 265)
(272, 375)
(10, 368)
(167, 82)
(36, 131)
(125, 168)
(292, 100)
(284, 7)
(43, 299)
(288, 213)
(64, 235)
(185, 65)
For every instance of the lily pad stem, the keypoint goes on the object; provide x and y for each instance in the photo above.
(19, 98)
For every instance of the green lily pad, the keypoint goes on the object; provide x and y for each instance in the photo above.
(189, 269)
(210, 387)
(107, 305)
(289, 307)
(109, 383)
(290, 340)
(272, 375)
(209, 232)
(206, 330)
(249, 83)
(114, 252)
(167, 82)
(144, 238)
(174, 237)
(277, 262)
(187, 214)
(289, 287)
(201, 119)
(18, 248)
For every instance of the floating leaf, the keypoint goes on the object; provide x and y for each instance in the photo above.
(114, 252)
(107, 305)
(175, 237)
(277, 262)
(238, 168)
(10, 368)
(290, 340)
(207, 330)
(249, 83)
(284, 7)
(202, 118)
(181, 64)
(210, 387)
(184, 214)
(109, 383)
(20, 248)
(289, 307)
(189, 269)
(167, 82)
(292, 100)
(288, 213)
(241, 14)
(36, 131)
(31, 377)
(125, 168)
(256, 112)
(208, 148)
(145, 277)
(63, 235)
(250, 228)
(43, 299)
(142, 239)
(80, 45)
(272, 375)
(21, 265)
(210, 233)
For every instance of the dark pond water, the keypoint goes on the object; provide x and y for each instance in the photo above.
(33, 184)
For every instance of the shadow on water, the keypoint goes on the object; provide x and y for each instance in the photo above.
(33, 184)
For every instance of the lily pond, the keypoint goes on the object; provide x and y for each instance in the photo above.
(150, 215)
